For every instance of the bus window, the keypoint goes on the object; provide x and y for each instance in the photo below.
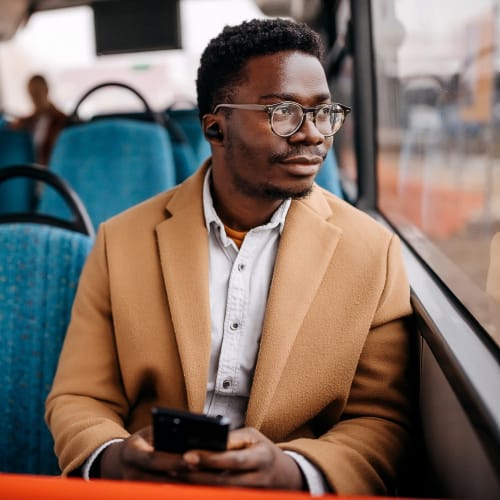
(438, 135)
(339, 70)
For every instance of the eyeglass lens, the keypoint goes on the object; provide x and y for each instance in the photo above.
(287, 118)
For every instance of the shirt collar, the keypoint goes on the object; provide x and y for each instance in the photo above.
(211, 217)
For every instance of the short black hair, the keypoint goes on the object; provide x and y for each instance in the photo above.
(225, 55)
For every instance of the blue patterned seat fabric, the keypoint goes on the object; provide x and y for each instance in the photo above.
(39, 271)
(112, 164)
(186, 162)
(328, 176)
(16, 147)
(189, 122)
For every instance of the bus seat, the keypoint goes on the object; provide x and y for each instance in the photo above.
(493, 279)
(328, 176)
(16, 147)
(112, 164)
(40, 265)
(185, 160)
(189, 122)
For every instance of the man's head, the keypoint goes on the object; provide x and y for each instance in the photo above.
(266, 109)
(38, 90)
(223, 61)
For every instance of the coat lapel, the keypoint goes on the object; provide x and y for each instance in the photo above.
(183, 248)
(306, 248)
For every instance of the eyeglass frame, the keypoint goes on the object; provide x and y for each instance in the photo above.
(305, 111)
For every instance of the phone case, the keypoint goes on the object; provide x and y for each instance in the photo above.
(176, 431)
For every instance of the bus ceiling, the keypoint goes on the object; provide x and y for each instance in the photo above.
(15, 13)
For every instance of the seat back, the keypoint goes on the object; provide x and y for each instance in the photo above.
(40, 263)
(112, 164)
(77, 219)
(18, 195)
(189, 122)
(328, 176)
(39, 271)
(185, 160)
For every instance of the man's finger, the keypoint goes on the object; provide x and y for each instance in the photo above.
(139, 454)
(243, 438)
(240, 460)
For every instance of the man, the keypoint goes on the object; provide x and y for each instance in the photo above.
(45, 122)
(247, 291)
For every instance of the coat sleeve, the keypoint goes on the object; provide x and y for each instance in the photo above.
(360, 453)
(87, 405)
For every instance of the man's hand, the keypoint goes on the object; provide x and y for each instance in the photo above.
(135, 459)
(251, 461)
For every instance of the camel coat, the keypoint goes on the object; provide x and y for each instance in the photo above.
(331, 379)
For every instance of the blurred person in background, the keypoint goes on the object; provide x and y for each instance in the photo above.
(46, 121)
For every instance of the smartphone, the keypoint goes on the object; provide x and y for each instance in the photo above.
(176, 431)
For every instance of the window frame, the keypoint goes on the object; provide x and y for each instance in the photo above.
(467, 355)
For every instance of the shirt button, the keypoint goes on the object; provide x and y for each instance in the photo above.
(241, 267)
(234, 326)
(226, 384)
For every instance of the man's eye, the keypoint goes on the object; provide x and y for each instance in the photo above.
(324, 111)
(285, 110)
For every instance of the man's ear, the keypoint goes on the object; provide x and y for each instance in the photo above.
(212, 129)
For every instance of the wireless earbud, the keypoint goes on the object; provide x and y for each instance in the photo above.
(213, 132)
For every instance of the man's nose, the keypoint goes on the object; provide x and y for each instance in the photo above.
(310, 132)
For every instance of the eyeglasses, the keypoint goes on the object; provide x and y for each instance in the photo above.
(285, 118)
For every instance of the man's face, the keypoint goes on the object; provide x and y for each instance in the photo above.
(258, 163)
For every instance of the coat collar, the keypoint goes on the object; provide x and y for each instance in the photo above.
(183, 248)
(306, 248)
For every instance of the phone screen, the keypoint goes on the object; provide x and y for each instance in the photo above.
(176, 431)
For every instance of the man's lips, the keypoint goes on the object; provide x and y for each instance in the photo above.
(303, 160)
(302, 165)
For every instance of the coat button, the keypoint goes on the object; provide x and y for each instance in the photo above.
(226, 384)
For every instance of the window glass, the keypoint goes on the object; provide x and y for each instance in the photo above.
(339, 69)
(438, 93)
